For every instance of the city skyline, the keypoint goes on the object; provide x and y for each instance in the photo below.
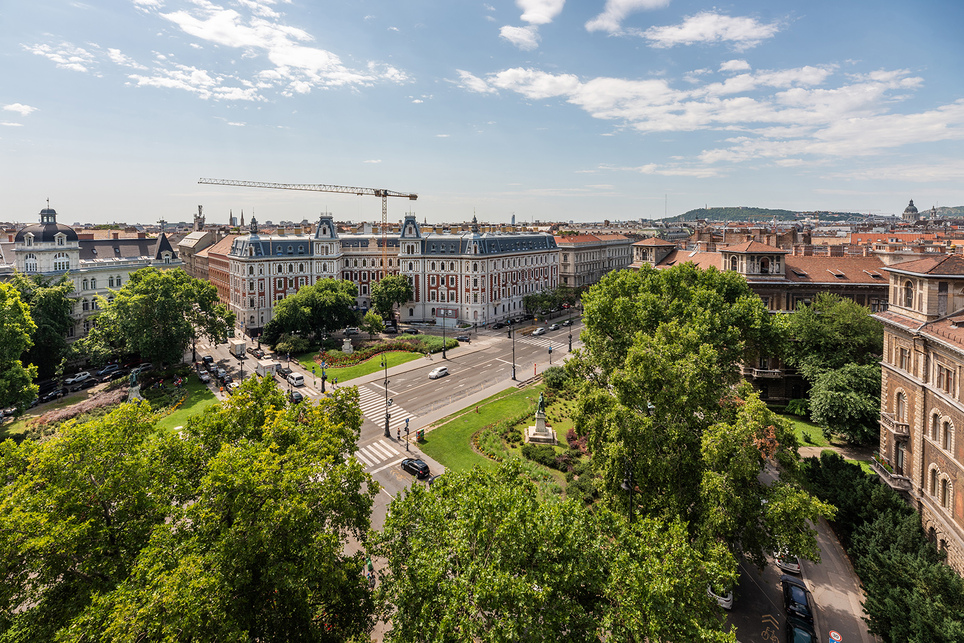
(541, 109)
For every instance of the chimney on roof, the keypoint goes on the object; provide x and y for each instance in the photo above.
(116, 235)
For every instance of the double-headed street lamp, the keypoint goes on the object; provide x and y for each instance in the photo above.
(512, 337)
(444, 319)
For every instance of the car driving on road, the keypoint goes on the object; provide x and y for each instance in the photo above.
(539, 331)
(441, 371)
(416, 467)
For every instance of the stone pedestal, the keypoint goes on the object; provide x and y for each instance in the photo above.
(540, 433)
(134, 393)
(346, 346)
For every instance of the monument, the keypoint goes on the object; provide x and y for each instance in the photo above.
(346, 346)
(540, 433)
(134, 389)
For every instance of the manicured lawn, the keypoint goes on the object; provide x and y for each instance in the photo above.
(200, 397)
(803, 428)
(450, 445)
(371, 365)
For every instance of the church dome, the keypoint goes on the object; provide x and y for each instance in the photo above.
(46, 231)
(911, 208)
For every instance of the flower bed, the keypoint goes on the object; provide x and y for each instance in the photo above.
(335, 359)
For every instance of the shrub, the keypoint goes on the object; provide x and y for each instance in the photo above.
(798, 407)
(555, 377)
(292, 344)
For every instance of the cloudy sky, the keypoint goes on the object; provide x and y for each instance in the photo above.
(546, 109)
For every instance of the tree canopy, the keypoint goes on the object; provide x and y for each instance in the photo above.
(480, 556)
(372, 323)
(50, 307)
(391, 291)
(662, 412)
(157, 315)
(542, 303)
(16, 329)
(232, 530)
(846, 401)
(830, 333)
(314, 310)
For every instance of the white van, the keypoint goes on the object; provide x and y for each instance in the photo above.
(296, 379)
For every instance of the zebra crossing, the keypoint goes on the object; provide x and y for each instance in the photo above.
(372, 403)
(378, 452)
(543, 342)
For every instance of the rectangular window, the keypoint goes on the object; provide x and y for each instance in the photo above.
(945, 378)
(431, 280)
(904, 359)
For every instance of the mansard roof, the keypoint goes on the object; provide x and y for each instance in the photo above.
(941, 265)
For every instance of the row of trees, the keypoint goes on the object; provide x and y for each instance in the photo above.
(543, 303)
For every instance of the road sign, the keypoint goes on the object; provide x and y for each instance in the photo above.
(835, 637)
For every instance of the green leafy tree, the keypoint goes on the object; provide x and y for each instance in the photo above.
(232, 530)
(319, 308)
(391, 291)
(372, 324)
(846, 401)
(16, 328)
(830, 333)
(158, 315)
(660, 408)
(481, 557)
(50, 308)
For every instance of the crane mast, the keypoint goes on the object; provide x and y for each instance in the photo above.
(321, 187)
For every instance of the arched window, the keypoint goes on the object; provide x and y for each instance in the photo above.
(86, 306)
(61, 261)
(93, 283)
(110, 281)
(945, 493)
(86, 284)
(411, 312)
(933, 482)
(946, 437)
(764, 266)
(901, 407)
(30, 263)
(908, 294)
(935, 426)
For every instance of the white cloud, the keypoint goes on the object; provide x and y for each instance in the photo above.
(372, 161)
(441, 135)
(65, 56)
(393, 29)
(20, 108)
(616, 11)
(235, 124)
(710, 27)
(473, 83)
(417, 101)
(525, 38)
(735, 65)
(939, 170)
(540, 12)
(5, 124)
(117, 57)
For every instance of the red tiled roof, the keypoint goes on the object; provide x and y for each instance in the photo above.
(752, 246)
(698, 258)
(577, 238)
(654, 241)
(854, 270)
(611, 237)
(939, 265)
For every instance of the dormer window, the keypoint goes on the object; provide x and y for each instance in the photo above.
(61, 240)
(908, 294)
(28, 239)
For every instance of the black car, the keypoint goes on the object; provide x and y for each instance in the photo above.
(463, 338)
(416, 467)
(390, 330)
(50, 396)
(799, 631)
(796, 599)
(296, 397)
(283, 372)
(207, 359)
(87, 383)
(568, 322)
(498, 325)
(411, 331)
(109, 372)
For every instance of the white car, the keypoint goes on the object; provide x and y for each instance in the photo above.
(723, 599)
(539, 331)
(786, 562)
(77, 379)
(441, 371)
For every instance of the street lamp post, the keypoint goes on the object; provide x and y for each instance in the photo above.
(512, 337)
(570, 328)
(324, 376)
(444, 319)
(550, 356)
(406, 433)
(388, 402)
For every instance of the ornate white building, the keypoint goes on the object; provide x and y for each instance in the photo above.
(471, 277)
(96, 266)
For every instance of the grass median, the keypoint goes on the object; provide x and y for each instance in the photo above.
(371, 365)
(450, 442)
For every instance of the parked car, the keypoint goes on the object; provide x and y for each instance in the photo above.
(77, 379)
(568, 322)
(221, 373)
(143, 368)
(411, 331)
(204, 377)
(232, 387)
(283, 373)
(786, 562)
(390, 330)
(296, 396)
(109, 372)
(724, 598)
(463, 338)
(207, 359)
(539, 331)
(554, 327)
(441, 371)
(50, 396)
(256, 352)
(498, 325)
(416, 467)
(87, 383)
(799, 631)
(351, 331)
(796, 599)
(227, 380)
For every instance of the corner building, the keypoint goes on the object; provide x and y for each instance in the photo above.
(470, 277)
(922, 401)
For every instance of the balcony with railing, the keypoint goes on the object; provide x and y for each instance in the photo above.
(890, 422)
(888, 474)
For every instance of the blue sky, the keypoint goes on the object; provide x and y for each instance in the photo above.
(548, 109)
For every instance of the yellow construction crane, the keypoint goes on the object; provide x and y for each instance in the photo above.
(315, 187)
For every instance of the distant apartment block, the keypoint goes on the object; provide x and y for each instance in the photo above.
(585, 258)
